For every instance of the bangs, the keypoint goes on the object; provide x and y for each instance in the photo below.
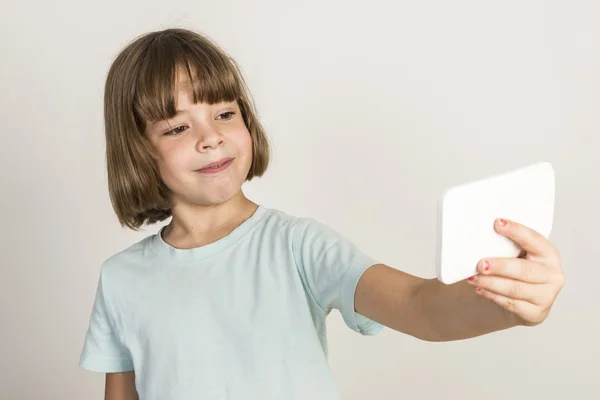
(171, 65)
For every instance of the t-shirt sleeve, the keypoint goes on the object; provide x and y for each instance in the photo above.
(102, 350)
(331, 266)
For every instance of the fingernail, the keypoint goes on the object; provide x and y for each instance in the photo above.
(486, 265)
(479, 290)
(502, 222)
(472, 278)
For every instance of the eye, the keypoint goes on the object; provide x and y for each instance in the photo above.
(225, 113)
(175, 131)
(180, 129)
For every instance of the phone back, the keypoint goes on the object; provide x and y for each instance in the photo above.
(467, 213)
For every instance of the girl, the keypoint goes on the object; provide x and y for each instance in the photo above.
(229, 300)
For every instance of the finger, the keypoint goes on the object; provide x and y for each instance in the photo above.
(530, 240)
(515, 268)
(510, 288)
(523, 309)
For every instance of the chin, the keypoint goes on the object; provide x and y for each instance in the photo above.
(211, 192)
(219, 195)
(216, 200)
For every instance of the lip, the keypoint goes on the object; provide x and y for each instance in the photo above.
(224, 164)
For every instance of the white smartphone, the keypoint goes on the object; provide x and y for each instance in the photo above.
(467, 212)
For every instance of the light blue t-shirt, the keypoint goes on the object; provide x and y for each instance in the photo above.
(240, 318)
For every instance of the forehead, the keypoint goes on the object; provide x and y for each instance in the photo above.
(182, 83)
(184, 91)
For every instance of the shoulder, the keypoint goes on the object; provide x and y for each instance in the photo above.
(126, 261)
(299, 228)
(312, 241)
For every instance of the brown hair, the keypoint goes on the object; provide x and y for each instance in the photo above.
(141, 87)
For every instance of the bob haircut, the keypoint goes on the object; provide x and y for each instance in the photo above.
(140, 89)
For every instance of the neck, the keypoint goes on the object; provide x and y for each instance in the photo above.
(193, 226)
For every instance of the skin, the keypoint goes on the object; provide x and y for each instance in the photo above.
(120, 386)
(511, 292)
(206, 207)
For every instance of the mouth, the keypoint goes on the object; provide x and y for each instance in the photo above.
(218, 166)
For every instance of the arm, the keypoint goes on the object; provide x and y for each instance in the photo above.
(506, 293)
(426, 308)
(120, 386)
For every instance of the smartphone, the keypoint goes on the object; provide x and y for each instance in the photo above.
(466, 215)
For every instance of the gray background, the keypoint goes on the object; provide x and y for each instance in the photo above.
(373, 109)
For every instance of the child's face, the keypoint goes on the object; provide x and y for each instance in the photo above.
(202, 134)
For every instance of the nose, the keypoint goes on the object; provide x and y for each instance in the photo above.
(209, 139)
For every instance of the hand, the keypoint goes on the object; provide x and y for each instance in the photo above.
(526, 286)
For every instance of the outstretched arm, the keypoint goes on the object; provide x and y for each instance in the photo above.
(507, 292)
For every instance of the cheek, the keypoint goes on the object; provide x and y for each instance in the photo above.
(245, 146)
(246, 150)
(171, 163)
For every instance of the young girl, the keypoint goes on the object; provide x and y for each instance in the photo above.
(229, 300)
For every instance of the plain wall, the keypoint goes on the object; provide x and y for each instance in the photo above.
(373, 109)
